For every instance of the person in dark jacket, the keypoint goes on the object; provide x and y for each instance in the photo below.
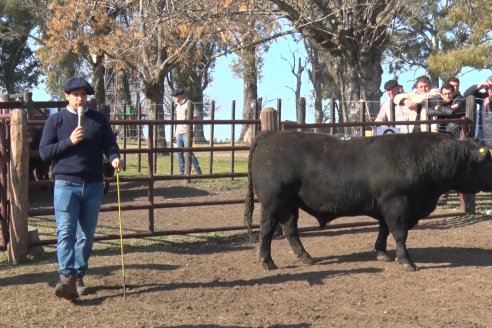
(450, 105)
(483, 95)
(455, 82)
(75, 144)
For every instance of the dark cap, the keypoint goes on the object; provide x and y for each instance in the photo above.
(178, 92)
(75, 83)
(390, 84)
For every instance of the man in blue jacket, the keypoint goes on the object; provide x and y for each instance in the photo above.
(75, 143)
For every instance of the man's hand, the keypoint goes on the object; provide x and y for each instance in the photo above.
(410, 105)
(117, 163)
(77, 135)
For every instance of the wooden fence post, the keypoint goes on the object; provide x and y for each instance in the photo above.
(467, 201)
(3, 184)
(362, 112)
(19, 183)
(269, 119)
(332, 115)
(189, 138)
(28, 104)
(301, 112)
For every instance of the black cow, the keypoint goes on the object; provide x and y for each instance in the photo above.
(396, 179)
(38, 169)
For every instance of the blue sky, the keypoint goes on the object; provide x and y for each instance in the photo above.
(277, 82)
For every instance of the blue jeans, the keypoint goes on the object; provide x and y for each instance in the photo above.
(76, 211)
(180, 142)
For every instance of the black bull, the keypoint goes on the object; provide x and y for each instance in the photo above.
(396, 179)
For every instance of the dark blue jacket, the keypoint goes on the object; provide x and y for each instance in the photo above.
(82, 162)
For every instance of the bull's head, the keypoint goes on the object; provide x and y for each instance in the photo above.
(483, 169)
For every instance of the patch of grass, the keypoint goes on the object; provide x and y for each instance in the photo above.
(222, 163)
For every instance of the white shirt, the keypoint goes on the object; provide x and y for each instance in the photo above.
(401, 114)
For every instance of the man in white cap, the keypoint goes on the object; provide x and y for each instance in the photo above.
(392, 89)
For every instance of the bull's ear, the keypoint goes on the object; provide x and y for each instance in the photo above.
(483, 153)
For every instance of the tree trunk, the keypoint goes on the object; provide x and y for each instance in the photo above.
(155, 93)
(357, 76)
(198, 134)
(250, 87)
(370, 76)
(98, 72)
(132, 131)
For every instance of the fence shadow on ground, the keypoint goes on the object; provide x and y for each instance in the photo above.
(51, 277)
(452, 222)
(199, 245)
(129, 193)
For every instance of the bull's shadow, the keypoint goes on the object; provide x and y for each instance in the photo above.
(439, 256)
(294, 325)
(312, 278)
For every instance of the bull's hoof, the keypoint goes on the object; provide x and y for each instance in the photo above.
(409, 267)
(307, 260)
(269, 265)
(383, 256)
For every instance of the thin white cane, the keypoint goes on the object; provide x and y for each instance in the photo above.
(121, 233)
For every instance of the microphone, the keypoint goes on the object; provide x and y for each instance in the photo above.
(80, 113)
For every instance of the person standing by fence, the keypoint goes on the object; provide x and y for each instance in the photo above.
(75, 140)
(392, 89)
(180, 99)
(483, 95)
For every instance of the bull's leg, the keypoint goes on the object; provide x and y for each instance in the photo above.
(400, 233)
(381, 242)
(291, 232)
(268, 224)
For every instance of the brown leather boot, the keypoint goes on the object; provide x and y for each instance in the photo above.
(66, 288)
(82, 289)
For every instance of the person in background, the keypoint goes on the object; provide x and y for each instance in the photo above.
(450, 105)
(392, 89)
(423, 90)
(483, 95)
(455, 82)
(420, 95)
(180, 99)
(76, 152)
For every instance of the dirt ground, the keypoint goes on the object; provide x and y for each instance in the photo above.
(215, 279)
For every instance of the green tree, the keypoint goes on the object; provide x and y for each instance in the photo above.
(422, 30)
(475, 17)
(19, 68)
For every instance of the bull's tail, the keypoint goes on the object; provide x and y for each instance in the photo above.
(249, 205)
